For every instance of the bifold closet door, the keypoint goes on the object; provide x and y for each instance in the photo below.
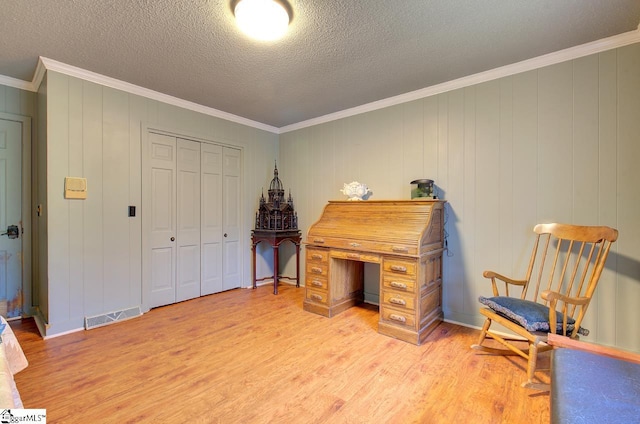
(232, 168)
(175, 219)
(211, 219)
(221, 170)
(162, 219)
(194, 219)
(188, 220)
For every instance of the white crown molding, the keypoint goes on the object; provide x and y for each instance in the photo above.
(15, 83)
(38, 75)
(52, 65)
(507, 70)
(26, 85)
(571, 53)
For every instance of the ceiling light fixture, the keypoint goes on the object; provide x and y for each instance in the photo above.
(265, 20)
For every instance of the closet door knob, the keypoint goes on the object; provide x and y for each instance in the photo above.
(173, 239)
(225, 234)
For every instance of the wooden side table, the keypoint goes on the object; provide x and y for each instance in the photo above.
(275, 239)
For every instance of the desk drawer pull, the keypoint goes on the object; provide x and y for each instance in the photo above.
(400, 249)
(398, 285)
(316, 297)
(353, 256)
(398, 268)
(316, 283)
(355, 244)
(398, 301)
(318, 240)
(316, 256)
(316, 270)
(398, 318)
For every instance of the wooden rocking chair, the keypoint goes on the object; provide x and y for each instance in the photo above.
(563, 272)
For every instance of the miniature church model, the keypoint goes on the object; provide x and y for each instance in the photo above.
(276, 222)
(276, 213)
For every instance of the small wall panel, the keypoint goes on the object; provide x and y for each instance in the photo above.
(93, 213)
(76, 214)
(606, 294)
(628, 200)
(115, 201)
(555, 143)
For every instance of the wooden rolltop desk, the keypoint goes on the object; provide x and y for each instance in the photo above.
(405, 237)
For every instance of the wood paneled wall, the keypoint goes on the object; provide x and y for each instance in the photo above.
(93, 247)
(560, 143)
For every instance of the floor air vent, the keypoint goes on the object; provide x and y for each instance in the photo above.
(111, 317)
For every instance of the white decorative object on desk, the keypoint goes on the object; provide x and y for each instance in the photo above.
(356, 191)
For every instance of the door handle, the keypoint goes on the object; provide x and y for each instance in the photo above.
(225, 234)
(12, 231)
(173, 239)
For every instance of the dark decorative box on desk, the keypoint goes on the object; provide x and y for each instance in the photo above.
(276, 222)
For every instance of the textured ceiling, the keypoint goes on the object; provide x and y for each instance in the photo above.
(337, 54)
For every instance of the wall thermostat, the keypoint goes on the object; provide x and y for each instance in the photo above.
(75, 188)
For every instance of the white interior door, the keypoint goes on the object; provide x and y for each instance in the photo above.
(188, 225)
(162, 152)
(211, 235)
(10, 218)
(231, 267)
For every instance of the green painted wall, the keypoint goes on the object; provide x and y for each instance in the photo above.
(561, 143)
(94, 248)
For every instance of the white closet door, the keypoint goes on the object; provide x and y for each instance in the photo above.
(188, 220)
(162, 157)
(211, 235)
(194, 215)
(231, 272)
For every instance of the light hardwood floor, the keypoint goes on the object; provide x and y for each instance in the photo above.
(247, 356)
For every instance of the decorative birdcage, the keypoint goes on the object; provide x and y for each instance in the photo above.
(276, 213)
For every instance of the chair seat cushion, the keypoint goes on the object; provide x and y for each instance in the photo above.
(530, 315)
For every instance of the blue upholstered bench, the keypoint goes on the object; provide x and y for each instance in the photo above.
(589, 387)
